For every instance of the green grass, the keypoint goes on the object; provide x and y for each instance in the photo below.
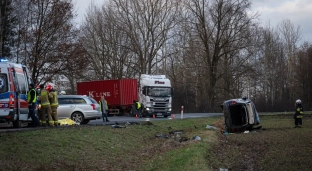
(277, 146)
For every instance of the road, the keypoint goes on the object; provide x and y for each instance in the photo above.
(121, 119)
(4, 127)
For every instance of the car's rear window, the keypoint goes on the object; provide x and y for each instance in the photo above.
(92, 100)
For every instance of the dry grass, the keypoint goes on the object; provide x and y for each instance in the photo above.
(277, 146)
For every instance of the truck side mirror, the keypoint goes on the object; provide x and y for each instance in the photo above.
(171, 91)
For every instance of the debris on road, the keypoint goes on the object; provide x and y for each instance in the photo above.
(211, 127)
(117, 126)
(197, 138)
(162, 136)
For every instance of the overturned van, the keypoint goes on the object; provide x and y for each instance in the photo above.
(240, 115)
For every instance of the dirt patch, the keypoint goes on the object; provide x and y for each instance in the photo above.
(276, 146)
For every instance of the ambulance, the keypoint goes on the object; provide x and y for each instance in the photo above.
(14, 81)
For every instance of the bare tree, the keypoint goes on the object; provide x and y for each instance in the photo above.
(223, 27)
(291, 36)
(47, 29)
(147, 23)
(105, 43)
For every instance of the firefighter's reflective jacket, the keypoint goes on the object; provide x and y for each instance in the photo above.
(299, 111)
(44, 98)
(53, 99)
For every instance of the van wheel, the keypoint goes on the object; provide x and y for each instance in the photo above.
(17, 124)
(77, 117)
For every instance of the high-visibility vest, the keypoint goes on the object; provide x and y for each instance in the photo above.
(138, 104)
(44, 98)
(28, 95)
(54, 101)
(100, 102)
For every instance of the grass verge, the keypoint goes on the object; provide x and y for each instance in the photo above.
(277, 146)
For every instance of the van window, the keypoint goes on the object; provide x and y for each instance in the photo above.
(22, 83)
(3, 83)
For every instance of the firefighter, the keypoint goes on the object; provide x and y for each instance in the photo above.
(45, 107)
(298, 114)
(54, 104)
(38, 91)
(104, 108)
(32, 99)
(137, 106)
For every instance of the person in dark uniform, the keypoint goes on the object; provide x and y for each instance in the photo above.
(298, 114)
(32, 99)
(137, 106)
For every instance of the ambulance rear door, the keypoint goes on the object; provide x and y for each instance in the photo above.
(5, 93)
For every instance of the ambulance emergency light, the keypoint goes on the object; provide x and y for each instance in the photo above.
(3, 60)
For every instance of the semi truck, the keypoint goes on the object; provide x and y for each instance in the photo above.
(155, 95)
(154, 92)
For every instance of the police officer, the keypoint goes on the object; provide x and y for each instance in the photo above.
(298, 114)
(45, 107)
(32, 99)
(53, 103)
(137, 106)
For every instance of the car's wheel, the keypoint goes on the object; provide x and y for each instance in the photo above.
(86, 121)
(17, 124)
(77, 117)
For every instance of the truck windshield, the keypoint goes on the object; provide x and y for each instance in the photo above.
(159, 91)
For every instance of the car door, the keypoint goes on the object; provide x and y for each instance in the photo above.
(66, 107)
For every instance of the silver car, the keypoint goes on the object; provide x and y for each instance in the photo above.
(79, 108)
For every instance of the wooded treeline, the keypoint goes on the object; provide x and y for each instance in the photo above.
(212, 50)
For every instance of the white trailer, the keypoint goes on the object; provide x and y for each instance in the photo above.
(155, 95)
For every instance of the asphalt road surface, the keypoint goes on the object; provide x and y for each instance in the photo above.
(124, 119)
(4, 127)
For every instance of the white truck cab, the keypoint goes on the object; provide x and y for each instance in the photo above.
(155, 95)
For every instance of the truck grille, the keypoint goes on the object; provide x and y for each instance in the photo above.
(160, 105)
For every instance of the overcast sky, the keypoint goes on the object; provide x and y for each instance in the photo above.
(271, 11)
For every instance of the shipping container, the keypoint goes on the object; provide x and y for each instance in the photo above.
(119, 94)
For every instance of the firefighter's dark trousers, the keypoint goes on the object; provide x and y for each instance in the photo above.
(42, 119)
(54, 115)
(298, 121)
(46, 111)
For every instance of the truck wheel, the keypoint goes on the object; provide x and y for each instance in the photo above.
(77, 117)
(165, 116)
(17, 124)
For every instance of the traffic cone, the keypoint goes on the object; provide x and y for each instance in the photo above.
(153, 116)
(172, 116)
(136, 116)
